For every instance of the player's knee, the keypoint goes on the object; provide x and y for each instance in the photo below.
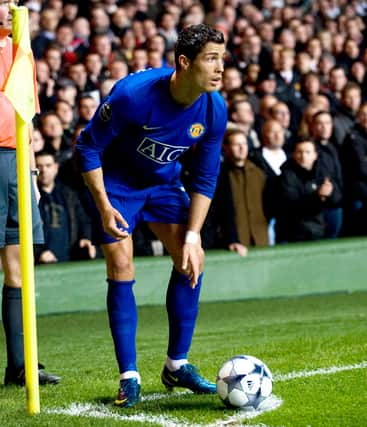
(120, 267)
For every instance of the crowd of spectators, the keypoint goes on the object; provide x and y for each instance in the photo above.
(294, 83)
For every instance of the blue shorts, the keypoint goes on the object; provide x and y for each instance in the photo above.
(167, 204)
(9, 225)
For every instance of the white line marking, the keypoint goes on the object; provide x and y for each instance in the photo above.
(321, 371)
(89, 410)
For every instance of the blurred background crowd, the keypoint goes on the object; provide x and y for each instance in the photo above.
(294, 161)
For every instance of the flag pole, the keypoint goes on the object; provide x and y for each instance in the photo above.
(20, 25)
(27, 267)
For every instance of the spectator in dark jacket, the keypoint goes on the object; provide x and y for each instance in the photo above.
(306, 189)
(346, 115)
(67, 227)
(321, 132)
(355, 175)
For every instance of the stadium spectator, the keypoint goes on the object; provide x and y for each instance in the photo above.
(66, 90)
(306, 189)
(49, 20)
(336, 83)
(167, 28)
(94, 66)
(72, 48)
(56, 141)
(81, 30)
(242, 117)
(9, 225)
(118, 69)
(345, 117)
(102, 45)
(236, 216)
(77, 72)
(66, 226)
(321, 132)
(53, 56)
(127, 44)
(139, 60)
(86, 108)
(281, 113)
(287, 77)
(354, 161)
(38, 141)
(66, 114)
(45, 85)
(147, 177)
(269, 158)
(70, 11)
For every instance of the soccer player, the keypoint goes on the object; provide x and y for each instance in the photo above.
(9, 227)
(129, 156)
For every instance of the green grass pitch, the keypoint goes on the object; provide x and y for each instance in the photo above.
(295, 336)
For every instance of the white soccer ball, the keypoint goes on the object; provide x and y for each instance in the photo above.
(244, 382)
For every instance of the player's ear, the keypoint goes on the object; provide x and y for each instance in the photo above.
(184, 62)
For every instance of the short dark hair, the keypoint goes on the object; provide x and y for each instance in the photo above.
(231, 132)
(192, 39)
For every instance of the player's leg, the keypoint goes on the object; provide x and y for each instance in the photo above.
(182, 303)
(122, 313)
(10, 258)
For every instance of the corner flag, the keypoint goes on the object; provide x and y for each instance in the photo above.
(20, 86)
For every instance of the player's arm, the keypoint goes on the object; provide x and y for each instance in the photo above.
(205, 172)
(111, 218)
(107, 124)
(192, 257)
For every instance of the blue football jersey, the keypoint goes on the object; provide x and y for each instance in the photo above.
(139, 132)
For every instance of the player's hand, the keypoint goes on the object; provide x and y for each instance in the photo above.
(239, 248)
(192, 261)
(114, 223)
(86, 243)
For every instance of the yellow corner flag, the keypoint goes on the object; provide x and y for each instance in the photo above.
(20, 86)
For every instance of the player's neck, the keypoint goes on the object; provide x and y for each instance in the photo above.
(182, 91)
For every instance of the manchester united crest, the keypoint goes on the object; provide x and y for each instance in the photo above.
(196, 130)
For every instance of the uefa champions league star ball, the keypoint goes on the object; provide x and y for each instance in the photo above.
(244, 382)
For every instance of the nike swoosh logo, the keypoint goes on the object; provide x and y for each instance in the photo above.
(145, 127)
(172, 378)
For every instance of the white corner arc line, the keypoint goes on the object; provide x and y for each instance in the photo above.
(88, 410)
(273, 402)
(321, 371)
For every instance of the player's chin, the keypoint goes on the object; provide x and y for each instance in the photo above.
(213, 86)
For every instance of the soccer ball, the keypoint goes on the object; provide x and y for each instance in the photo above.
(244, 382)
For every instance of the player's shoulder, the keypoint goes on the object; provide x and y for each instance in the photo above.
(218, 101)
(142, 81)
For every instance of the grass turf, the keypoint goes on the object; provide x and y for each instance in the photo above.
(293, 334)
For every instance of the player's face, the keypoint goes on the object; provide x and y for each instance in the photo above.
(207, 68)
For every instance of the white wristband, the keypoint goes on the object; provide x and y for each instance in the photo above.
(191, 237)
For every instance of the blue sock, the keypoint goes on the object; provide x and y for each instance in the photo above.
(123, 318)
(182, 303)
(13, 326)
